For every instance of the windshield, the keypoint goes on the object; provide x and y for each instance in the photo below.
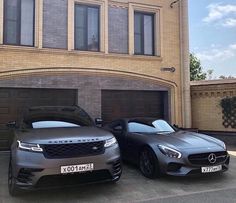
(149, 126)
(52, 124)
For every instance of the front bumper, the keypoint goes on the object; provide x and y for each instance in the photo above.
(183, 167)
(33, 170)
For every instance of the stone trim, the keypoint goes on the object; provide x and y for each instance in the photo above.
(75, 52)
(185, 70)
(216, 87)
(118, 4)
(1, 21)
(219, 93)
(46, 71)
(39, 24)
(212, 82)
(157, 10)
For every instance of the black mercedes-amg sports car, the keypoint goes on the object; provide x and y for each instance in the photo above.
(158, 148)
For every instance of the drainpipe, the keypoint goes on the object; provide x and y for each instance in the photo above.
(185, 69)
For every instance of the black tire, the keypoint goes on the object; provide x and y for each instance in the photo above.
(148, 163)
(12, 187)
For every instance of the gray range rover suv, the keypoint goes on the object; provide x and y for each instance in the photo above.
(55, 146)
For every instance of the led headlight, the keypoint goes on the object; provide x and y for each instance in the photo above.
(29, 147)
(172, 153)
(110, 142)
(224, 146)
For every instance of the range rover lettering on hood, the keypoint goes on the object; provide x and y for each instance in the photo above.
(73, 141)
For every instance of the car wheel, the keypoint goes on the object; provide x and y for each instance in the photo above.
(148, 164)
(12, 187)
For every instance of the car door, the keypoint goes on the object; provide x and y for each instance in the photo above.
(119, 131)
(132, 147)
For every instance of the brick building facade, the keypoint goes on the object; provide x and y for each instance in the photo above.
(114, 58)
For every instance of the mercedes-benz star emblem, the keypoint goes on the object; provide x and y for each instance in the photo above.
(212, 158)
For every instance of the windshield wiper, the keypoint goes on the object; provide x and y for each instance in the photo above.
(157, 132)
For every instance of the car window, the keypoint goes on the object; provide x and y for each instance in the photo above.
(139, 127)
(162, 125)
(156, 126)
(52, 124)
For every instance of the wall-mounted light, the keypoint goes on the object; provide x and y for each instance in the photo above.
(169, 69)
(174, 2)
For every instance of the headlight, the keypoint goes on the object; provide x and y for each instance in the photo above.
(172, 153)
(29, 147)
(224, 146)
(110, 142)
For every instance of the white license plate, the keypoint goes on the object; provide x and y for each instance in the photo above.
(211, 169)
(77, 168)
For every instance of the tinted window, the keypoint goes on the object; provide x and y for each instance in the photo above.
(52, 124)
(86, 28)
(19, 22)
(157, 126)
(27, 22)
(144, 33)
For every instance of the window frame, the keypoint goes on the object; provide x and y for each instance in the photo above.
(86, 32)
(18, 31)
(143, 14)
(158, 11)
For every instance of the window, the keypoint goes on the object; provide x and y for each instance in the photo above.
(86, 27)
(150, 126)
(144, 33)
(19, 22)
(52, 124)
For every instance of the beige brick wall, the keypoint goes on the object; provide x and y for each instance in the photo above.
(206, 109)
(17, 60)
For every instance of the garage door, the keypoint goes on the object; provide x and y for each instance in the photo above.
(12, 101)
(118, 104)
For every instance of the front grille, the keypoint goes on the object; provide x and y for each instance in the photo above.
(73, 179)
(202, 159)
(55, 151)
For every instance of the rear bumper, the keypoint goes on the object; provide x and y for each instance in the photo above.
(33, 170)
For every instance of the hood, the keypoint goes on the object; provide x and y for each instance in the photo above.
(187, 140)
(63, 135)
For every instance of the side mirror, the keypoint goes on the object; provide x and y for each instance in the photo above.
(11, 124)
(176, 126)
(98, 122)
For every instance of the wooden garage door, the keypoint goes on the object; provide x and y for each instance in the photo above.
(13, 101)
(119, 104)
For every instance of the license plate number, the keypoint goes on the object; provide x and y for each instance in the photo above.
(77, 168)
(211, 169)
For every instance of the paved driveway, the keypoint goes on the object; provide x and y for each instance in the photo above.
(133, 187)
